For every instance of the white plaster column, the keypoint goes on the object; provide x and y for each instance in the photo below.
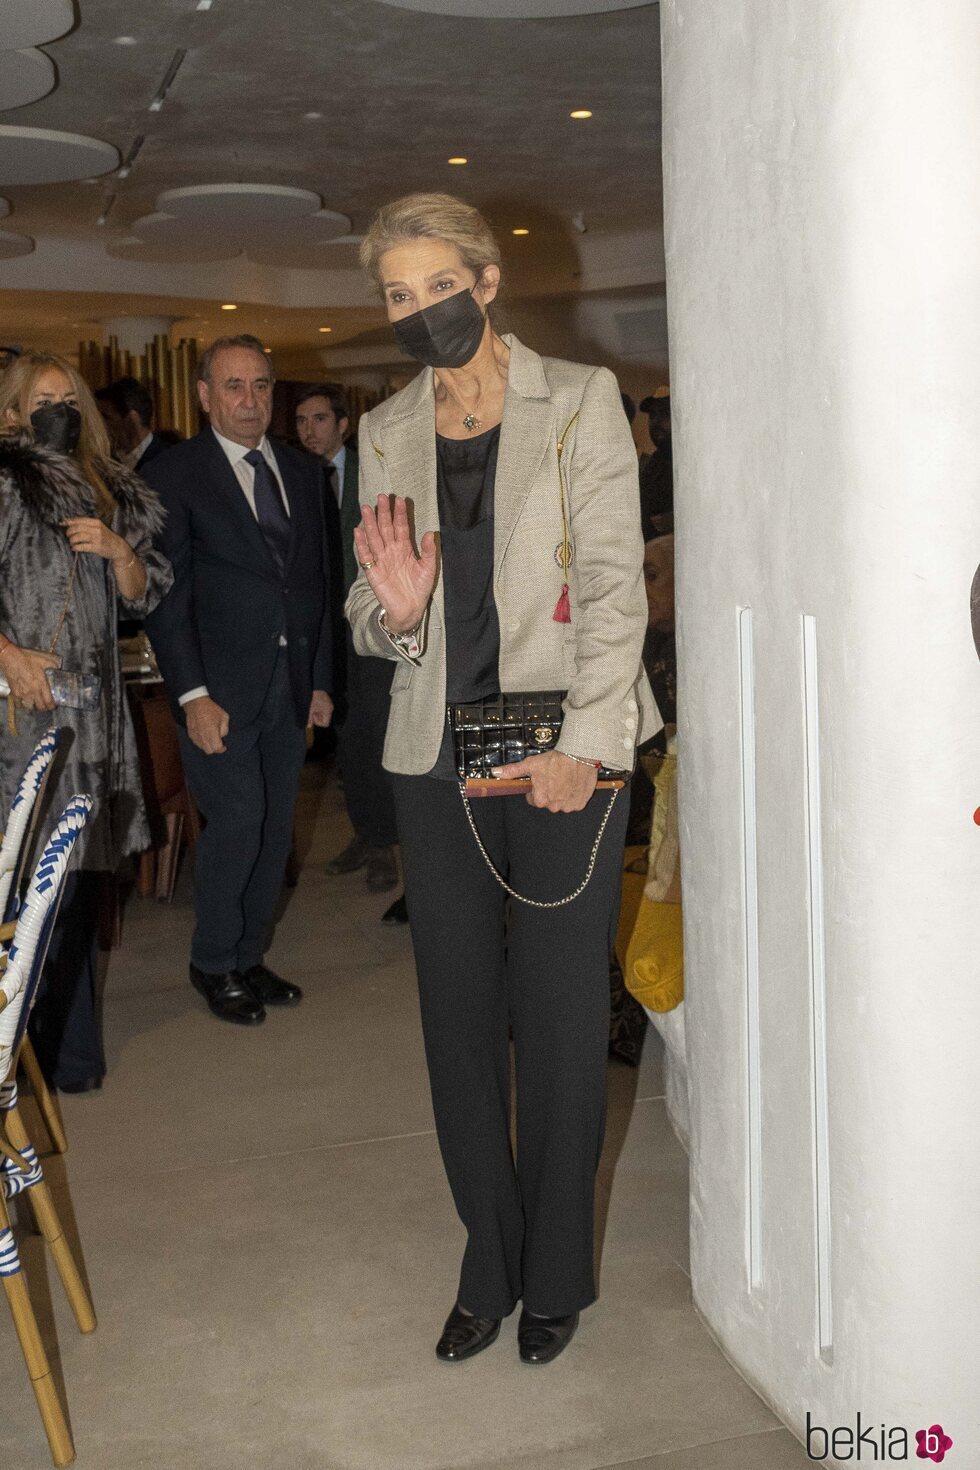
(823, 275)
(134, 332)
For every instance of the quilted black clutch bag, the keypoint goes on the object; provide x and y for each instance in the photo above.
(506, 728)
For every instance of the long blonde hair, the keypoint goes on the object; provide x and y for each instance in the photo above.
(17, 385)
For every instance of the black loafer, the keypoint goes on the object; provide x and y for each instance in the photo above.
(541, 1339)
(397, 913)
(84, 1084)
(228, 998)
(269, 989)
(464, 1336)
(353, 857)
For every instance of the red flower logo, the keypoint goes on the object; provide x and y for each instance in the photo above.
(933, 1443)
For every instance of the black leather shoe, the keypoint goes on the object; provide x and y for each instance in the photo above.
(354, 856)
(382, 870)
(464, 1336)
(84, 1084)
(396, 913)
(228, 997)
(269, 989)
(541, 1339)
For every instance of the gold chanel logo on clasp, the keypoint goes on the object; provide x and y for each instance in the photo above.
(543, 734)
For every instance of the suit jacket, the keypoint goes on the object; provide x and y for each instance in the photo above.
(609, 708)
(153, 450)
(350, 516)
(221, 624)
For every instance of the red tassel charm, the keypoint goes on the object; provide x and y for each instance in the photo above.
(563, 611)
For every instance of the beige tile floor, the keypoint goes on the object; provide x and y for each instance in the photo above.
(272, 1246)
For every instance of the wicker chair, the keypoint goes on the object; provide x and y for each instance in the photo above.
(13, 852)
(20, 1169)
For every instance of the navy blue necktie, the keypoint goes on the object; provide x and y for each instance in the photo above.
(270, 511)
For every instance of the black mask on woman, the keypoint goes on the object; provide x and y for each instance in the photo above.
(444, 335)
(57, 426)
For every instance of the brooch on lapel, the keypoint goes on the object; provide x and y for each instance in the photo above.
(563, 551)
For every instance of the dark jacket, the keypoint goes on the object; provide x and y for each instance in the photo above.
(350, 516)
(222, 623)
(153, 450)
(97, 752)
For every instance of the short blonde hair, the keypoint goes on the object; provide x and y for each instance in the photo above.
(430, 217)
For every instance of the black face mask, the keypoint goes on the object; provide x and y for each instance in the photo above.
(445, 335)
(57, 426)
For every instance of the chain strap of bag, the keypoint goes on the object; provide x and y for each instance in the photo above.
(536, 903)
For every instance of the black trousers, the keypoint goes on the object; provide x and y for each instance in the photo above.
(367, 785)
(545, 974)
(247, 797)
(64, 1025)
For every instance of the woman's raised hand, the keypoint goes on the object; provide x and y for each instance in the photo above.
(401, 581)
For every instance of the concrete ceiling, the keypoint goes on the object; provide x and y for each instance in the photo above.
(356, 101)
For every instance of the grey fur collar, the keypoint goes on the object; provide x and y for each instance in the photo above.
(51, 487)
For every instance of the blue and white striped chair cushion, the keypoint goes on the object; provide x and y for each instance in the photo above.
(29, 945)
(19, 818)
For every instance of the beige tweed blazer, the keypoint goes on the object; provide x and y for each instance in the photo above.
(610, 707)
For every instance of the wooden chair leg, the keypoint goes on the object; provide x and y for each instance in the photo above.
(43, 1096)
(38, 1367)
(168, 857)
(45, 1213)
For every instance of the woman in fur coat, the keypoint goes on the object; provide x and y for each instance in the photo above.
(75, 543)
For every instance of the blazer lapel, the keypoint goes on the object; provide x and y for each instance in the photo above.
(409, 451)
(526, 435)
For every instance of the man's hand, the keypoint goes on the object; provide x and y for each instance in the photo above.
(207, 724)
(557, 782)
(321, 709)
(24, 669)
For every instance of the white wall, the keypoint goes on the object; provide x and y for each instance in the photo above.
(821, 175)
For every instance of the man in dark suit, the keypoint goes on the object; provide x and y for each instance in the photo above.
(243, 643)
(322, 423)
(127, 407)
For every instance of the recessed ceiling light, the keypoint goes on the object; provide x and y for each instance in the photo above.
(326, 329)
(580, 112)
(521, 232)
(125, 40)
(457, 160)
(312, 116)
(228, 306)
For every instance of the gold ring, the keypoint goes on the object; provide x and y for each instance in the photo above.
(367, 565)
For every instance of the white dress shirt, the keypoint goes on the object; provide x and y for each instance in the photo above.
(245, 474)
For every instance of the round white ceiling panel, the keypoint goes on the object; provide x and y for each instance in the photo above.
(516, 9)
(25, 76)
(161, 239)
(32, 22)
(40, 156)
(237, 204)
(200, 251)
(313, 229)
(11, 246)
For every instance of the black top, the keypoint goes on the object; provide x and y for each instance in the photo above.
(465, 473)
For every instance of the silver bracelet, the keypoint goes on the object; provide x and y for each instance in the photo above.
(583, 760)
